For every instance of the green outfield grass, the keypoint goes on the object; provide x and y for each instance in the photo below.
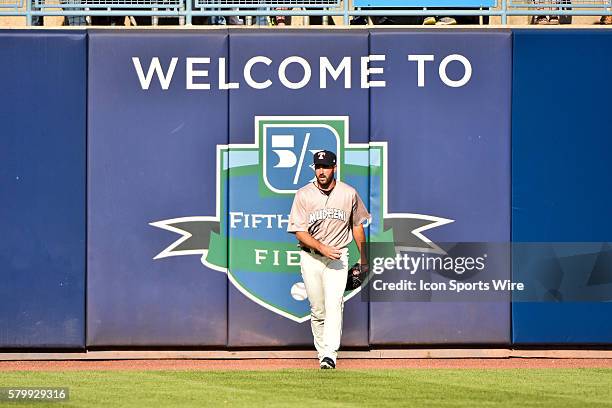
(342, 388)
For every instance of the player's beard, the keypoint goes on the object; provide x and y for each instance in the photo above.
(327, 182)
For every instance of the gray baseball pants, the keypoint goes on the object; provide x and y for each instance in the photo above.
(325, 280)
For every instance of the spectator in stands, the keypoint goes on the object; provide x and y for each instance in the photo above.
(388, 20)
(551, 19)
(68, 20)
(37, 21)
(605, 20)
(419, 20)
(221, 20)
(281, 20)
(453, 20)
(108, 20)
(545, 20)
(437, 20)
(74, 20)
(262, 21)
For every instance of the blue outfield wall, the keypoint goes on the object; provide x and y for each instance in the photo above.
(146, 178)
(449, 157)
(561, 189)
(42, 189)
(152, 160)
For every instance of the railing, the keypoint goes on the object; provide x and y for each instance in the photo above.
(186, 9)
(10, 4)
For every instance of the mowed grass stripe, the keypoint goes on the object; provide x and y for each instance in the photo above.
(340, 388)
(564, 385)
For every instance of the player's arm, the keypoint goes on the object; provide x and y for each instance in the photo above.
(307, 240)
(358, 217)
(360, 240)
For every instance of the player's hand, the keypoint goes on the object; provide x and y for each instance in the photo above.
(330, 251)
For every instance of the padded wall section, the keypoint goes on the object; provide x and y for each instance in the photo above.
(561, 173)
(449, 157)
(262, 309)
(42, 185)
(152, 159)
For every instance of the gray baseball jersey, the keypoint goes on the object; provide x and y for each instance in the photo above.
(328, 218)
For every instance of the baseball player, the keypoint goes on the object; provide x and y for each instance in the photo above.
(325, 216)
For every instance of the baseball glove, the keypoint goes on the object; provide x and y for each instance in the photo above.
(356, 276)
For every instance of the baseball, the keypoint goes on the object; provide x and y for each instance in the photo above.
(298, 291)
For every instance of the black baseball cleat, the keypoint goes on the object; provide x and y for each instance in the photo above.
(327, 364)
